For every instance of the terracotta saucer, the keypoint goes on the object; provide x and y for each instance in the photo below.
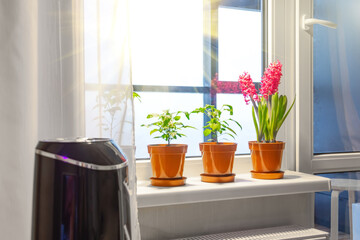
(217, 178)
(267, 175)
(168, 182)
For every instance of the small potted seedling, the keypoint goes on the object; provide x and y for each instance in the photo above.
(167, 160)
(218, 157)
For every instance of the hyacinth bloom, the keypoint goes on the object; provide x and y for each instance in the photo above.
(247, 87)
(271, 80)
(268, 115)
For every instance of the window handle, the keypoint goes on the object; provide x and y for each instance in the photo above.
(306, 22)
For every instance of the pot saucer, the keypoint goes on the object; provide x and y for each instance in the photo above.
(267, 175)
(167, 182)
(217, 178)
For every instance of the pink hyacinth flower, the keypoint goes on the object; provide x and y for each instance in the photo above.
(247, 87)
(271, 79)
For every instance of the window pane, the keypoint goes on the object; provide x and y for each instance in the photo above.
(91, 114)
(101, 31)
(336, 77)
(167, 42)
(152, 102)
(90, 42)
(242, 114)
(240, 43)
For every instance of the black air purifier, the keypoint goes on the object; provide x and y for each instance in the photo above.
(80, 191)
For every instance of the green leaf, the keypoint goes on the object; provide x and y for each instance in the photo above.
(227, 128)
(287, 113)
(207, 132)
(154, 130)
(237, 123)
(230, 135)
(177, 118)
(214, 126)
(255, 124)
(187, 115)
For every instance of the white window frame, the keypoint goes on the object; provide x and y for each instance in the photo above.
(281, 46)
(307, 161)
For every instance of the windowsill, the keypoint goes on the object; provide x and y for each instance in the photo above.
(244, 187)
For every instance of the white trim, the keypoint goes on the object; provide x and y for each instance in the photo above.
(281, 46)
(336, 162)
(304, 118)
(306, 160)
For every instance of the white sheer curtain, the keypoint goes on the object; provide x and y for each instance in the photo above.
(108, 86)
(18, 115)
(42, 94)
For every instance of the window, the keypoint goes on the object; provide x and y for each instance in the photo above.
(177, 50)
(336, 78)
(330, 110)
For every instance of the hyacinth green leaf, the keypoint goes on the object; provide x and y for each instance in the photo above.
(287, 113)
(177, 118)
(255, 124)
(281, 111)
(150, 116)
(274, 103)
(261, 118)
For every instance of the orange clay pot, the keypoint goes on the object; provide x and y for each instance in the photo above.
(218, 158)
(266, 157)
(167, 161)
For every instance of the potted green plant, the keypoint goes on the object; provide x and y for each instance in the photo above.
(167, 160)
(269, 112)
(218, 157)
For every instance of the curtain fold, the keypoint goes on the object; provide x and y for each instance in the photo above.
(108, 85)
(18, 115)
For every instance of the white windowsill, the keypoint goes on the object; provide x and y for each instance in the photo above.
(244, 187)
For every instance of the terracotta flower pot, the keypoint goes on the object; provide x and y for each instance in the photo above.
(218, 158)
(167, 161)
(266, 157)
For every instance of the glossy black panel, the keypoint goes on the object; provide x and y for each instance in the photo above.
(75, 203)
